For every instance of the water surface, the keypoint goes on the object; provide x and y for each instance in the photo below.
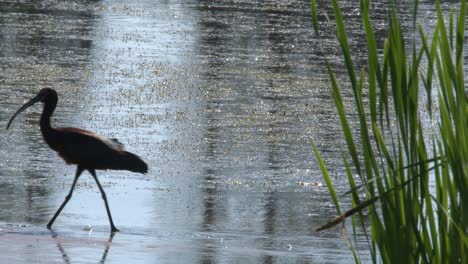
(219, 97)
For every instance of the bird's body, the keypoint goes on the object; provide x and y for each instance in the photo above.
(83, 148)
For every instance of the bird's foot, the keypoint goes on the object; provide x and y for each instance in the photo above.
(114, 229)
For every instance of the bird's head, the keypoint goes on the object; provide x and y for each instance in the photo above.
(45, 95)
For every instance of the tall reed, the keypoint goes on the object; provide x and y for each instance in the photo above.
(415, 183)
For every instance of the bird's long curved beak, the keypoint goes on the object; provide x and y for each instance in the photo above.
(26, 105)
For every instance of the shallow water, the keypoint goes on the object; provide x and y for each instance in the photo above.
(219, 98)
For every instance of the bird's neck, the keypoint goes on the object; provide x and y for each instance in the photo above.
(49, 108)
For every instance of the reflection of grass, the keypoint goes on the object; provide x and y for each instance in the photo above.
(410, 222)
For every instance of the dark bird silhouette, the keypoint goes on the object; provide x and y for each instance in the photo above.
(86, 149)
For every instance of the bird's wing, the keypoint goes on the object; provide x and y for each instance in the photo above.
(86, 148)
(112, 143)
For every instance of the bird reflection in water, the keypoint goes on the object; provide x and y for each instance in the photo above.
(66, 258)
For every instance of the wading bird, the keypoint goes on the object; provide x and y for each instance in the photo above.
(86, 149)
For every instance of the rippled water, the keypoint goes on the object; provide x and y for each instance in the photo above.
(219, 97)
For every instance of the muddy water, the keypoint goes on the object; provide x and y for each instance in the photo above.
(219, 98)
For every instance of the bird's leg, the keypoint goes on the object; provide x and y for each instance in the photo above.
(79, 170)
(113, 228)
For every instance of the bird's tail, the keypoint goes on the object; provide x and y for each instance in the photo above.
(132, 162)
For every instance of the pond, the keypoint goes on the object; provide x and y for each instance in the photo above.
(220, 98)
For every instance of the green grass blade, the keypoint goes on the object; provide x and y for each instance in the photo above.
(326, 177)
(372, 58)
(344, 120)
(313, 13)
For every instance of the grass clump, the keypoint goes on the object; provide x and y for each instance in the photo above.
(415, 185)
